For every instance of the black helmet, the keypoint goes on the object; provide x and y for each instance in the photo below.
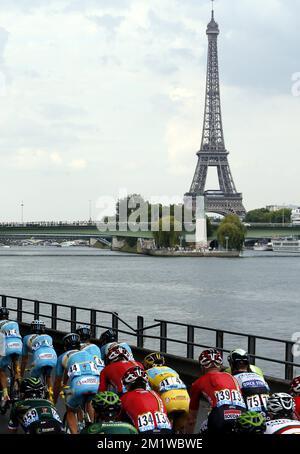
(32, 388)
(237, 358)
(38, 326)
(84, 333)
(4, 313)
(107, 337)
(107, 405)
(71, 341)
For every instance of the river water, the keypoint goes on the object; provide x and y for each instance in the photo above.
(256, 294)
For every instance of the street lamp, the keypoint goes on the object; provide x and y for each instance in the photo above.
(22, 212)
(226, 239)
(90, 210)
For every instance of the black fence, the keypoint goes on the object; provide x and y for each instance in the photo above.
(61, 317)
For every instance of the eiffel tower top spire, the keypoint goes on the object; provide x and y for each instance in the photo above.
(213, 27)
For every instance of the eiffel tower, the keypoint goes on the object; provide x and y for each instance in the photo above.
(213, 153)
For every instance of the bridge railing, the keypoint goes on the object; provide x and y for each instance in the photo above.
(164, 333)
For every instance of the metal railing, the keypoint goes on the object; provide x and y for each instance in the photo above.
(62, 317)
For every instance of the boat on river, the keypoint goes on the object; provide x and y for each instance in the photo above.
(263, 246)
(289, 245)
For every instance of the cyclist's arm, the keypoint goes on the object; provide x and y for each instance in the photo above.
(194, 408)
(57, 387)
(23, 364)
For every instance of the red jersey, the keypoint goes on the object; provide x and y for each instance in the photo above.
(297, 410)
(146, 410)
(219, 388)
(114, 373)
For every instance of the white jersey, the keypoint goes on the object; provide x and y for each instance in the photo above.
(255, 390)
(283, 427)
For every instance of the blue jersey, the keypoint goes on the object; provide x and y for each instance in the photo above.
(106, 347)
(76, 363)
(41, 347)
(11, 338)
(95, 351)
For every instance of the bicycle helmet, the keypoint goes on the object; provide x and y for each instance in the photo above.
(107, 337)
(295, 387)
(38, 326)
(153, 359)
(117, 353)
(84, 333)
(4, 313)
(251, 422)
(32, 388)
(281, 405)
(71, 341)
(237, 358)
(210, 358)
(135, 377)
(107, 405)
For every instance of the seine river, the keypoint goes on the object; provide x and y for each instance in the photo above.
(256, 294)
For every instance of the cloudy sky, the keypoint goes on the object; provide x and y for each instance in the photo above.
(98, 95)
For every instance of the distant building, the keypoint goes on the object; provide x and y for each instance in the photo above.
(281, 207)
(295, 217)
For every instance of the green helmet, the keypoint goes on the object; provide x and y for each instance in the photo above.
(251, 422)
(107, 405)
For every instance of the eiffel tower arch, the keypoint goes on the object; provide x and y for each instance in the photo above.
(213, 152)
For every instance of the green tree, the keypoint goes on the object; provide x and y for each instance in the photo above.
(231, 233)
(167, 237)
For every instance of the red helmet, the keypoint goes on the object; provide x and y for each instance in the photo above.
(135, 376)
(295, 387)
(211, 358)
(117, 353)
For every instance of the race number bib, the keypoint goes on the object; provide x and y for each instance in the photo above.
(83, 369)
(171, 383)
(257, 403)
(43, 343)
(30, 417)
(146, 422)
(162, 421)
(229, 397)
(11, 333)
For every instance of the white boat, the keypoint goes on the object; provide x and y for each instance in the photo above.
(287, 245)
(295, 216)
(263, 246)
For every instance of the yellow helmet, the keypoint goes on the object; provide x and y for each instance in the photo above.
(153, 359)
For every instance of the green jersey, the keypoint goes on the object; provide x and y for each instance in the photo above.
(112, 427)
(35, 415)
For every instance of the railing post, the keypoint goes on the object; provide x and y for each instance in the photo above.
(252, 348)
(36, 310)
(219, 339)
(163, 337)
(190, 342)
(3, 300)
(115, 323)
(93, 322)
(140, 332)
(19, 309)
(73, 319)
(289, 368)
(54, 316)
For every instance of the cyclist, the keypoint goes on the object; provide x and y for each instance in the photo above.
(295, 392)
(44, 357)
(84, 333)
(222, 392)
(106, 341)
(78, 370)
(33, 412)
(10, 350)
(251, 422)
(142, 406)
(118, 361)
(281, 411)
(255, 389)
(108, 407)
(167, 383)
(251, 368)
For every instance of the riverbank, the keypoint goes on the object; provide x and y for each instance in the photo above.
(195, 253)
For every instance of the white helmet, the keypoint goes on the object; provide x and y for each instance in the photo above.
(281, 405)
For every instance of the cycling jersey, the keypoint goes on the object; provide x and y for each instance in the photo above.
(35, 416)
(219, 388)
(83, 376)
(146, 411)
(171, 388)
(11, 342)
(255, 390)
(112, 427)
(297, 410)
(43, 353)
(112, 375)
(95, 351)
(283, 427)
(106, 347)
